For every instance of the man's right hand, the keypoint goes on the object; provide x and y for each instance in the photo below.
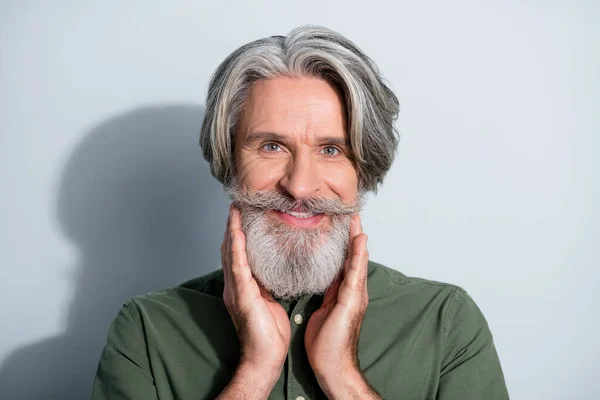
(262, 324)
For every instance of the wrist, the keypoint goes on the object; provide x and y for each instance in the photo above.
(263, 369)
(251, 382)
(346, 384)
(260, 376)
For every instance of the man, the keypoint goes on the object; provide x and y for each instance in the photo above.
(298, 129)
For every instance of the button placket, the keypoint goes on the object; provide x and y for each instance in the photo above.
(294, 389)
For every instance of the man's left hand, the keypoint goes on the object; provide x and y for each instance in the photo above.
(331, 337)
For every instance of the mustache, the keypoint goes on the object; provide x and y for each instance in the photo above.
(276, 200)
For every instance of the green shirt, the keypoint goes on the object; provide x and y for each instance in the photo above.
(419, 340)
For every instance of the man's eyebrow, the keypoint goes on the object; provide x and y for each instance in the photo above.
(256, 136)
(277, 137)
(340, 141)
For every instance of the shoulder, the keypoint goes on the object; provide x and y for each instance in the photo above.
(210, 284)
(200, 293)
(452, 302)
(384, 280)
(461, 316)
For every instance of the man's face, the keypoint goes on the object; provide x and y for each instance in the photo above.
(292, 137)
(291, 146)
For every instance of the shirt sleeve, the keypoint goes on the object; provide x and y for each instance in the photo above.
(471, 368)
(124, 369)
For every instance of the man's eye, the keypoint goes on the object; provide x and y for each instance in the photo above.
(271, 147)
(330, 151)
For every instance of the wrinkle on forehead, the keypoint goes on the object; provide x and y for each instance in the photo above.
(301, 107)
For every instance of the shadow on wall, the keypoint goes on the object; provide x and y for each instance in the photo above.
(138, 201)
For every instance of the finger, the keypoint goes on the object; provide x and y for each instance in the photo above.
(356, 272)
(225, 258)
(356, 226)
(228, 238)
(355, 230)
(237, 240)
(224, 243)
(239, 261)
(236, 218)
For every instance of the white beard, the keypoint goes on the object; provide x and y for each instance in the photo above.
(290, 262)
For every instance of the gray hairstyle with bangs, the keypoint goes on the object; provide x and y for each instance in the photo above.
(307, 51)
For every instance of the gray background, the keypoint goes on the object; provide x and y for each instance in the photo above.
(104, 193)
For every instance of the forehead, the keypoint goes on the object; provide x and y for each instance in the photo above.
(294, 106)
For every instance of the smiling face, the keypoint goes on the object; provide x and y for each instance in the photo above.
(292, 137)
(295, 183)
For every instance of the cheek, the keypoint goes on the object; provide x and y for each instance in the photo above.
(259, 174)
(342, 180)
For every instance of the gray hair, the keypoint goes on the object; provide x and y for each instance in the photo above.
(308, 51)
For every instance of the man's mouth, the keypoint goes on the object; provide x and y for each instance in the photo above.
(304, 219)
(300, 214)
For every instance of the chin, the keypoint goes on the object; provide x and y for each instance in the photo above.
(291, 260)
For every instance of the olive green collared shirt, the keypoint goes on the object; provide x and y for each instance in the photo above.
(419, 340)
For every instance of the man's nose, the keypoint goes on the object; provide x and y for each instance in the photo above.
(301, 179)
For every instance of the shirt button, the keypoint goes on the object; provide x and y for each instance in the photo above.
(298, 320)
(300, 397)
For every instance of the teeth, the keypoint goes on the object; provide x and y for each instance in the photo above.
(300, 214)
